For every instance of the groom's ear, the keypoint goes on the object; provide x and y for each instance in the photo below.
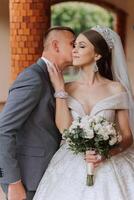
(55, 45)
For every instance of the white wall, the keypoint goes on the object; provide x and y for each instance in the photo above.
(4, 50)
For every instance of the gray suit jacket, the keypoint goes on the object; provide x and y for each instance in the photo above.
(28, 134)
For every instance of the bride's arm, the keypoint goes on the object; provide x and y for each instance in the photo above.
(125, 131)
(63, 117)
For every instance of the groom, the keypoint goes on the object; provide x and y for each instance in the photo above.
(28, 134)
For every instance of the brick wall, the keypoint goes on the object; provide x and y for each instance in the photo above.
(28, 21)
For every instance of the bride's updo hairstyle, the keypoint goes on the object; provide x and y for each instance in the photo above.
(101, 47)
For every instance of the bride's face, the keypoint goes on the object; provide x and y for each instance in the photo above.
(83, 52)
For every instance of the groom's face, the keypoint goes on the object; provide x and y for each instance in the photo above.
(65, 48)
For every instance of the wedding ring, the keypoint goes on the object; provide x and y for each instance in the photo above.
(98, 157)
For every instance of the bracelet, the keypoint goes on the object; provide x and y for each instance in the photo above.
(61, 94)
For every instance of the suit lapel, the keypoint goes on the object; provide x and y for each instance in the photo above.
(43, 67)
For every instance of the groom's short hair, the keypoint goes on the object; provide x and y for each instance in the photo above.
(56, 28)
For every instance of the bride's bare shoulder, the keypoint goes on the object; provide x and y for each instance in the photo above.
(116, 87)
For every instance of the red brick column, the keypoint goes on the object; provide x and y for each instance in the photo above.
(28, 21)
(121, 26)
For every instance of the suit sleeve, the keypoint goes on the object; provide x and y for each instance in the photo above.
(24, 95)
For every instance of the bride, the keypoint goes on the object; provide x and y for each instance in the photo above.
(102, 88)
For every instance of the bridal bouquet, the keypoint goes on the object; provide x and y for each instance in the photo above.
(91, 133)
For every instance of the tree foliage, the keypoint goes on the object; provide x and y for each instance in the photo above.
(80, 16)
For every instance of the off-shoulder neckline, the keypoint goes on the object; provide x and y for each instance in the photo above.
(99, 102)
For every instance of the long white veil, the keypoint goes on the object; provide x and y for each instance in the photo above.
(120, 73)
(119, 66)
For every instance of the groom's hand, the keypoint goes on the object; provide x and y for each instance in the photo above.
(16, 191)
(56, 78)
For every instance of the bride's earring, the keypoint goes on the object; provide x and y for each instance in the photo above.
(95, 68)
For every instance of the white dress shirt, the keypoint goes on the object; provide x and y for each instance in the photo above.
(48, 62)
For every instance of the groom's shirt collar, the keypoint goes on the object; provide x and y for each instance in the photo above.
(48, 62)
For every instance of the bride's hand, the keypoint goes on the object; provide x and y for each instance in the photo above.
(56, 78)
(92, 157)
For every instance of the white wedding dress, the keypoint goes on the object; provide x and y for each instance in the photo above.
(65, 178)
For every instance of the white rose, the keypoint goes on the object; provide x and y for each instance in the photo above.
(105, 137)
(102, 131)
(119, 138)
(109, 127)
(85, 120)
(113, 141)
(74, 125)
(98, 119)
(68, 140)
(97, 127)
(84, 125)
(106, 123)
(111, 130)
(89, 134)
